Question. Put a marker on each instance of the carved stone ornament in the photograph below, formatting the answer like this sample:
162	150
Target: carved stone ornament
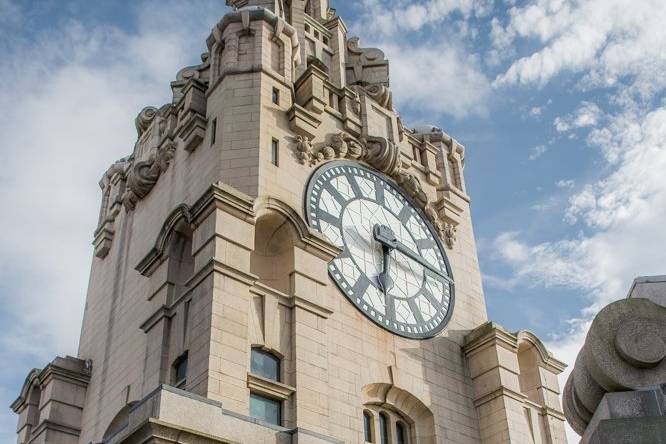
143	175
450	235
381	154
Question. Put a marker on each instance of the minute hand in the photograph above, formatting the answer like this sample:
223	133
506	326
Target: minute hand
396	244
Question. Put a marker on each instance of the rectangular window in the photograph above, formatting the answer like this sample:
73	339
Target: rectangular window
265	364
265	409
417	154
276	96
213	131
180	371
275	152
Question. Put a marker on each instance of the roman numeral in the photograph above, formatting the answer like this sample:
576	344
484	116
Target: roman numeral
327	217
405	214
336	194
431	298
361	285
416	310
355	188
379	194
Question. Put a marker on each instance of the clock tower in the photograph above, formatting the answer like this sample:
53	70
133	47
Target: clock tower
282	259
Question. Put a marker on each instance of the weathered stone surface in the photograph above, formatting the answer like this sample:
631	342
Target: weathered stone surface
625	351
636	417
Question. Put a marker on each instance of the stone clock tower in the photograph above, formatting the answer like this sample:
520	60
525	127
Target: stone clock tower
282	260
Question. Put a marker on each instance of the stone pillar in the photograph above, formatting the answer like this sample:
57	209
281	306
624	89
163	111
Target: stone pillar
493	363
311	309
51	403
515	387
223	240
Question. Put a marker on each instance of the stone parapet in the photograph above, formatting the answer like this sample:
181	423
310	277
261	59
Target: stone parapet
172	415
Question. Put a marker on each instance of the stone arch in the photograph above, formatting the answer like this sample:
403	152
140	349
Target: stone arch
120	421
409	407
278	229
180	218
27	404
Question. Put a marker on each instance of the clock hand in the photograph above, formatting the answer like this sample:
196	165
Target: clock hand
384	278
384	235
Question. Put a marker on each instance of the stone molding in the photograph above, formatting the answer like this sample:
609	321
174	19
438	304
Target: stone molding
220	196
268	387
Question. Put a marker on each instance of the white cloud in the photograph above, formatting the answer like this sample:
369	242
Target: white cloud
565	183
606	39
536	111
385	17
587	115
454	83
538	151
60	138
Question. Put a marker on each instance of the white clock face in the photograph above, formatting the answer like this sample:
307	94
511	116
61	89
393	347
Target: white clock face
392	266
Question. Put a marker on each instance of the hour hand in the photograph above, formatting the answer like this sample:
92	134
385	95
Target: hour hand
384	278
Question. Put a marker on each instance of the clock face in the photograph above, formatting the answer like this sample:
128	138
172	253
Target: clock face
392	266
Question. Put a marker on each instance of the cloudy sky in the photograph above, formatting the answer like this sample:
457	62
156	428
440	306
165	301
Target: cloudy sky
560	104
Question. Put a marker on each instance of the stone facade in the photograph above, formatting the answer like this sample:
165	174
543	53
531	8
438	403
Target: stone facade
203	254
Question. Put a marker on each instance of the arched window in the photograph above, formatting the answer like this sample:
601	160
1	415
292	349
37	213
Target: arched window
383	428
367	426
265	364
400	433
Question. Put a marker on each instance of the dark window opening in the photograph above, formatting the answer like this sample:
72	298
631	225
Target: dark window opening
400	433
275	146
383	428
265	409
213	131
265	364
367	426
180	371
276	96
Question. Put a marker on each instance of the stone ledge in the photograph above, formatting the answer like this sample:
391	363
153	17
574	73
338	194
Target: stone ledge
270	388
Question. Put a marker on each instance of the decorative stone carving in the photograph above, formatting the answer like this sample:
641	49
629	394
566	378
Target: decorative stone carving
112	185
381	154
145	119
625	350
450	235
366	66
143	175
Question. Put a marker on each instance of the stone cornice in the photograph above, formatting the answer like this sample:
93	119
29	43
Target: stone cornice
498	393
487	335
268	387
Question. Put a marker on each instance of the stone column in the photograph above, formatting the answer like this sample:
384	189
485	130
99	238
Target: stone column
311	309
491	352
222	242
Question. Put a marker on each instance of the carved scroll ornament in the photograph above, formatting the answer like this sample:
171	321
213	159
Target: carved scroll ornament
384	156
143	175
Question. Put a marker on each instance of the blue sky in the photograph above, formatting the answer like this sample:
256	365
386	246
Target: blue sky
560	105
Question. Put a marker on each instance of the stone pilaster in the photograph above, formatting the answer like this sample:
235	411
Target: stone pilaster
515	387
